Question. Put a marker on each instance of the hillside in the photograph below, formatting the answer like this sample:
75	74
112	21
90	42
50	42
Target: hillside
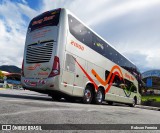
11	69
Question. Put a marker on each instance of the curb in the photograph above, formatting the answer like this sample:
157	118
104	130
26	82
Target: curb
148	107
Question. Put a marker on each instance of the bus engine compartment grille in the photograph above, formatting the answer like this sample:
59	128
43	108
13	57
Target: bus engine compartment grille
39	52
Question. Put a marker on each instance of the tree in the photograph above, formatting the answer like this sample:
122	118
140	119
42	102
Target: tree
1	75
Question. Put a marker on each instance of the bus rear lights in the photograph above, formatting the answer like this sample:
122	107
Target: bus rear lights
56	67
55	72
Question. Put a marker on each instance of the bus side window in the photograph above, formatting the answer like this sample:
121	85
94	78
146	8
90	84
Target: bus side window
116	81
98	45
70	63
106	74
134	89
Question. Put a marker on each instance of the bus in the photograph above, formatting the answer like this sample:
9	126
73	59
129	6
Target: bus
64	58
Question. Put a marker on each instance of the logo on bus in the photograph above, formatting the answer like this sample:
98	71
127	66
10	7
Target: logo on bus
33	67
115	71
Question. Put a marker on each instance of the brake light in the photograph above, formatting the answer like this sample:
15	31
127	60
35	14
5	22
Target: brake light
22	71
56	67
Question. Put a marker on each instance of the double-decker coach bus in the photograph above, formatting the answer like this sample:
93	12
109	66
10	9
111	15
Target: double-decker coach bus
65	59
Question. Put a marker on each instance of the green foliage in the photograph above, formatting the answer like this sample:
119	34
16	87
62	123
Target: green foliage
7	86
151	98
1	75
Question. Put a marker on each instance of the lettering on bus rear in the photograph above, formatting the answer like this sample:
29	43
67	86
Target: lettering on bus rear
50	18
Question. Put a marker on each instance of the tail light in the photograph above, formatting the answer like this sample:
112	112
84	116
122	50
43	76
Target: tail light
56	67
22	71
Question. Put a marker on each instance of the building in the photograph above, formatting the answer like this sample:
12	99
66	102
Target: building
152	80
12	79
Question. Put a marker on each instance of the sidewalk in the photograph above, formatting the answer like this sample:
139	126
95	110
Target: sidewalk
148	107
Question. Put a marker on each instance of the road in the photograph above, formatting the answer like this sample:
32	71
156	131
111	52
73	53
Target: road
27	107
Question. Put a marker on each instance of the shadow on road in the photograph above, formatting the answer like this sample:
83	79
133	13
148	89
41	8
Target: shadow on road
26	97
47	98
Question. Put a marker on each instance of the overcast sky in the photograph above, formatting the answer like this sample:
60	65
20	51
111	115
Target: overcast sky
131	26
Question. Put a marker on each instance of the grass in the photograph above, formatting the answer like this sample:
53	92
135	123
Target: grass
146	98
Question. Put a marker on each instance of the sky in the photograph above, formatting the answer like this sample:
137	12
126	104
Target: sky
130	26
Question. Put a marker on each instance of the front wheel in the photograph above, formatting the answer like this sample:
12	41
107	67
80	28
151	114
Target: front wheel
134	102
88	95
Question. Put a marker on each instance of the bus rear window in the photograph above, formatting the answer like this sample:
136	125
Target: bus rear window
49	18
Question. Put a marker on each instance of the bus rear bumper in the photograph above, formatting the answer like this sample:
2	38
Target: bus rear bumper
40	84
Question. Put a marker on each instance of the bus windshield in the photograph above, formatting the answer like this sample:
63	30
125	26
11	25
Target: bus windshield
49	18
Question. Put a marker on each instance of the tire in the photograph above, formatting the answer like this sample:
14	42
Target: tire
88	95
70	99
99	97
110	102
56	97
134	102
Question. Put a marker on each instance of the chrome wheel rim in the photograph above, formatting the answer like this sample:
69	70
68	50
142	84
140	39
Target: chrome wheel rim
134	102
87	95
99	96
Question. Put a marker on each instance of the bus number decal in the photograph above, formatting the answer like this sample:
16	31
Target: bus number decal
77	45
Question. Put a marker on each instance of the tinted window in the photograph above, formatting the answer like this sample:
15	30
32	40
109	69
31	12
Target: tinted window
98	45
79	31
84	35
50	18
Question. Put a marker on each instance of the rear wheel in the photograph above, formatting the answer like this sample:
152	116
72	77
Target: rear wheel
56	97
99	96
88	95
70	99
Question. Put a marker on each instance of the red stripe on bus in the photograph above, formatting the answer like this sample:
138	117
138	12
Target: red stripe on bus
111	81
95	85
100	80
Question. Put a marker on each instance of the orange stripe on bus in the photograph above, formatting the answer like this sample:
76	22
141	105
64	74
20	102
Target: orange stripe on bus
118	73
95	85
110	74
111	81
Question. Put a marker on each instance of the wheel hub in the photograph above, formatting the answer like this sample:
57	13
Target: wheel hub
99	96
87	95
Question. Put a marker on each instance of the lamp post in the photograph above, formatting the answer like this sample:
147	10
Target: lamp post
5	82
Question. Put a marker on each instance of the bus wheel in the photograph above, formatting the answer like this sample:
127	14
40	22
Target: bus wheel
88	95
56	97
134	102
99	97
70	99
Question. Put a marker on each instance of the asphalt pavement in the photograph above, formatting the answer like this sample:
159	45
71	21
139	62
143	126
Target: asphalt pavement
28	107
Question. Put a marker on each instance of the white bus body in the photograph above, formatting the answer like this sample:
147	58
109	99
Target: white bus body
63	65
